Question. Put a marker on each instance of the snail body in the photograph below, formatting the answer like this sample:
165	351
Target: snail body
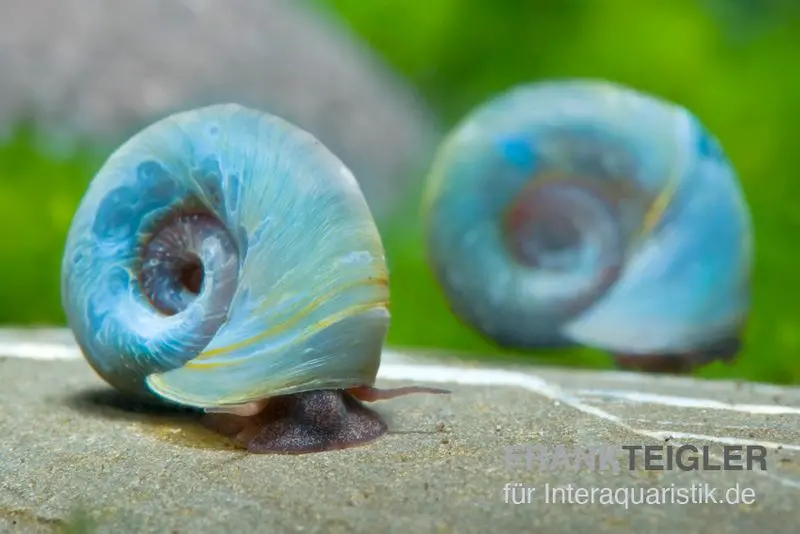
584	212
223	257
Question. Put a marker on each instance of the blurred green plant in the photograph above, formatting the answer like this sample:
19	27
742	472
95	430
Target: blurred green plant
38	197
460	52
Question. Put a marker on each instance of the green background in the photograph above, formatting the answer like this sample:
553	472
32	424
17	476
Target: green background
733	63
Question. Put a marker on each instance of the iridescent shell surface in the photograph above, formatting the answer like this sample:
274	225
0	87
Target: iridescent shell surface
584	212
294	289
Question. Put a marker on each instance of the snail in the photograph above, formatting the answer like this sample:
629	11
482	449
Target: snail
582	212
223	259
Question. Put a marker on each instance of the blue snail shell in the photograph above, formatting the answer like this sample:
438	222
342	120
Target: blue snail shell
290	289
585	212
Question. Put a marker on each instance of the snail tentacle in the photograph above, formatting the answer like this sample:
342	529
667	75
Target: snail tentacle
372	394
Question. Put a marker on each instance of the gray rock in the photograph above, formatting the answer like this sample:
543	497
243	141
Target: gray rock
73	451
93	71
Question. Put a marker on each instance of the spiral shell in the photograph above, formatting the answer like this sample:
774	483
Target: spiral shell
223	255
585	212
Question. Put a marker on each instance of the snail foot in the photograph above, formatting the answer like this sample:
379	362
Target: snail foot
313	421
679	363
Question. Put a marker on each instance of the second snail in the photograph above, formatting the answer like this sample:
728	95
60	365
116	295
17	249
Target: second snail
224	259
583	212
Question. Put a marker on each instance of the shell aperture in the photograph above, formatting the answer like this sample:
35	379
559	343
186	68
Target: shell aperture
223	255
585	212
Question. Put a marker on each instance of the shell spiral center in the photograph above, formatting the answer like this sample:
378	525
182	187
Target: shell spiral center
568	232
186	254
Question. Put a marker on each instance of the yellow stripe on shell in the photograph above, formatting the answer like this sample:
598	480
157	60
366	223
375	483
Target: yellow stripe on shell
314	304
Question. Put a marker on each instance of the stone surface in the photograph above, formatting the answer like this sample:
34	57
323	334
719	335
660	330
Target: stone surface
69	445
97	71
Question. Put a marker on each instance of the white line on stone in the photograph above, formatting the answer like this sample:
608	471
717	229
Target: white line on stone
687	402
39	351
395	368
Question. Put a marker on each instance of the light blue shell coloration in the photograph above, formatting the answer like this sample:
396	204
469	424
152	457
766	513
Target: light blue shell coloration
584	212
294	288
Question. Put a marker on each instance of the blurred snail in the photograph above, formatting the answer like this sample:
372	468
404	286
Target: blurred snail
582	212
224	259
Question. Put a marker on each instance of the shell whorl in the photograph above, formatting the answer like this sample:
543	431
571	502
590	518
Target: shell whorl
584	212
223	255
